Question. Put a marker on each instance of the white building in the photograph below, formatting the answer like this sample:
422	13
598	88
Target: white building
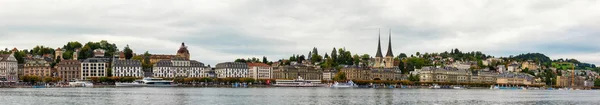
127	68
231	70
8	68
259	71
180	67
94	67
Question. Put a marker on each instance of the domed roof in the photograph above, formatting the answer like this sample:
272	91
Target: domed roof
183	49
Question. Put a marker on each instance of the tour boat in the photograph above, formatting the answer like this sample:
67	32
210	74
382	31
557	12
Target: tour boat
148	82
349	84
81	84
299	83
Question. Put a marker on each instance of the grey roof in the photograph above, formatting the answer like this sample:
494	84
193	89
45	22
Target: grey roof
127	63
195	63
164	63
516	75
4	57
94	60
168	63
232	65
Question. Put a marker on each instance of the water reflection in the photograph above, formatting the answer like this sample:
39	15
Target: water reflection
279	96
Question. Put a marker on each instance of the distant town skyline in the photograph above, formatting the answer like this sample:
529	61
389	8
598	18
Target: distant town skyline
220	31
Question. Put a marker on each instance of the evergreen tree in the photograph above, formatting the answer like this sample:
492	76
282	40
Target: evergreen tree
264	60
128	52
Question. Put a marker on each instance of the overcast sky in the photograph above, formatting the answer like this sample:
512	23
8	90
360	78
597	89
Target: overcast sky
223	30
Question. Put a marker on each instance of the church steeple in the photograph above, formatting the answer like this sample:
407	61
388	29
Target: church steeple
378	54
389	51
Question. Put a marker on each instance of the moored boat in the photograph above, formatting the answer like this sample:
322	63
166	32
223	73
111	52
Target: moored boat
81	84
349	84
148	82
300	82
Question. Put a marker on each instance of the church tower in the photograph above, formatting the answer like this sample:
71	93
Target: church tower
389	57
378	55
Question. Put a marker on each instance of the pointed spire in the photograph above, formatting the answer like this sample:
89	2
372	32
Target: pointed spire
389	52
378	54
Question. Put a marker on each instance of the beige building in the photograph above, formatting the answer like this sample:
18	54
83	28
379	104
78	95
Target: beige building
515	79
455	75
69	69
292	72
37	67
365	73
530	65
259	71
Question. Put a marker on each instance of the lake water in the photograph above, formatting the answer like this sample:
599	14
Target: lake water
286	96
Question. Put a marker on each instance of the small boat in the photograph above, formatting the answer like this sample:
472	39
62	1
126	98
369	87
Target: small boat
300	82
148	82
435	86
349	84
81	84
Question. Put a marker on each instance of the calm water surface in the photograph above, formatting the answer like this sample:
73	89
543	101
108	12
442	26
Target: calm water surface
285	96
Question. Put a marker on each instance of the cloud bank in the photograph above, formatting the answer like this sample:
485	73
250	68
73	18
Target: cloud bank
223	30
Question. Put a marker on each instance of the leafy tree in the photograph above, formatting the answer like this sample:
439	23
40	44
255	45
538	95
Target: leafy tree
128	52
87	51
597	83
365	59
402	56
241	60
340	76
414	78
301	58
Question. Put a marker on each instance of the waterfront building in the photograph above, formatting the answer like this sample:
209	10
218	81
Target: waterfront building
455	75
127	68
8	68
445	75
231	70
515	79
357	73
69	69
37	67
180	67
293	71
94	67
259	71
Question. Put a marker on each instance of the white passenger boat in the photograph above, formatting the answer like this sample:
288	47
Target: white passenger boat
349	84
148	82
81	84
299	83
